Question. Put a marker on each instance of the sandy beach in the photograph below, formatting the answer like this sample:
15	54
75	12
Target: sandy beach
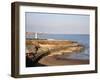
52	60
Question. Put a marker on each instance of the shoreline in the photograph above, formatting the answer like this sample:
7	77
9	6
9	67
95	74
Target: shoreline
59	47
52	61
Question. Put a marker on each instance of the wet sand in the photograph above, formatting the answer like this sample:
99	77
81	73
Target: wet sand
53	61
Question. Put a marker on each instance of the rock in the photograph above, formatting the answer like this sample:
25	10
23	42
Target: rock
31	49
42	50
35	52
37	49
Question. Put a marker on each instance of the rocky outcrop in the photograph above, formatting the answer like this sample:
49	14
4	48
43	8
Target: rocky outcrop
37	49
34	53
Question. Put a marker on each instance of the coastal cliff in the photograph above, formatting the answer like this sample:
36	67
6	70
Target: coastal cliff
57	45
39	49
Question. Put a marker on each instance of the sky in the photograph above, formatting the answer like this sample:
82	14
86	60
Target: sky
57	23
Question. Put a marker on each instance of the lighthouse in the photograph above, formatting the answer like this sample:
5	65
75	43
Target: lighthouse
36	35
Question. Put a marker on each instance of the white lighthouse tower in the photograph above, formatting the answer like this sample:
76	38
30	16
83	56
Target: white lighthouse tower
36	35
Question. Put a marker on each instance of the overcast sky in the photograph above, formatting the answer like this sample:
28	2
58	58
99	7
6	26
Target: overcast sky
57	23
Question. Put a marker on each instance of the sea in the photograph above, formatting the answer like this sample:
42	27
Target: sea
80	38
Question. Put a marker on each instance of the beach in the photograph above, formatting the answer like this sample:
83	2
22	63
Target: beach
52	60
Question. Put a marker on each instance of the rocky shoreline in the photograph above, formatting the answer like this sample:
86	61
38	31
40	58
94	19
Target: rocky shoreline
37	50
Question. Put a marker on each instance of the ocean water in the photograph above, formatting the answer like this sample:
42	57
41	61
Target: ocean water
80	38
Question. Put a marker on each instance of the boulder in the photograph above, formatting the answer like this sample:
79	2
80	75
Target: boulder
42	50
